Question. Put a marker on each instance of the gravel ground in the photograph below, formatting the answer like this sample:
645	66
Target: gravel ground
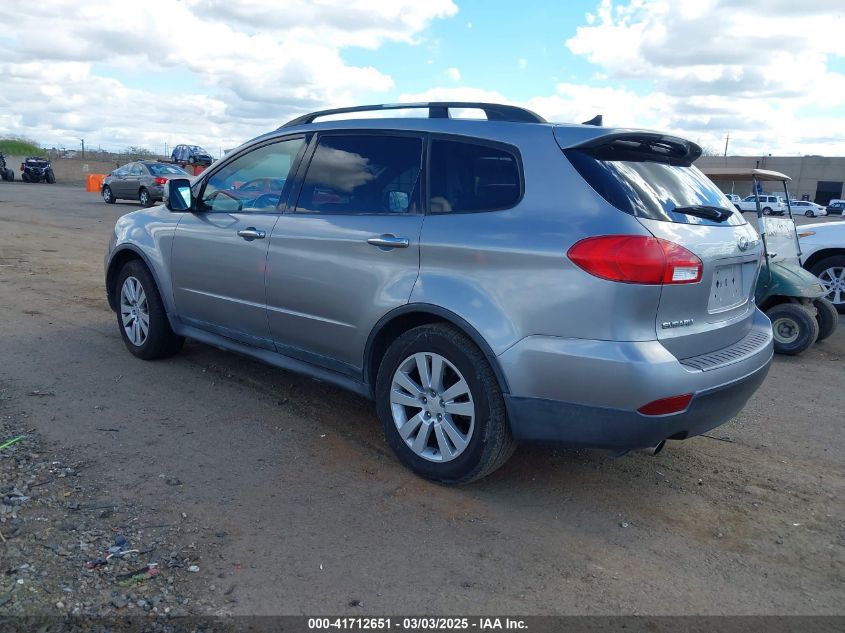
70	549
284	495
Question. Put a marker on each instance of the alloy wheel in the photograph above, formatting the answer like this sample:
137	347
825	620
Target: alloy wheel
833	281
134	311
432	407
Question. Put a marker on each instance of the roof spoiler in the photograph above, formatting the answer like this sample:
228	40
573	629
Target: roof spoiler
596	120
642	146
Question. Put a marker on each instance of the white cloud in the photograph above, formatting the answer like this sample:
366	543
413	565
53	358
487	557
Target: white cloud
522	63
257	62
454	74
758	69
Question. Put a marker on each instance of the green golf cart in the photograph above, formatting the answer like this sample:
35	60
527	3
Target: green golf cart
791	297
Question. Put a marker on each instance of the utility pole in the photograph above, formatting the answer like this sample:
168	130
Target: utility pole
727	140
83	147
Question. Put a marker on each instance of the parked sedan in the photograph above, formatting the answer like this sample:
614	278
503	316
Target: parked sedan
823	254
807	208
143	181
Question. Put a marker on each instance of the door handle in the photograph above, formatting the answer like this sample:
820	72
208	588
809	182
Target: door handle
387	241
251	233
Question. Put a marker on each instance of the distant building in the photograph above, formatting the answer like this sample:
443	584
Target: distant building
819	178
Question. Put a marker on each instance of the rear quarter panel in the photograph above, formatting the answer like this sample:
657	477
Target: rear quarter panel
506	272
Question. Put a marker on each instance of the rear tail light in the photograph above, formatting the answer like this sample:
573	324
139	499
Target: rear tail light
21	166
159	180
636	259
665	406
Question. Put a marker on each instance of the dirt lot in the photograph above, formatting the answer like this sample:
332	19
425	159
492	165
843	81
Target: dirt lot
281	491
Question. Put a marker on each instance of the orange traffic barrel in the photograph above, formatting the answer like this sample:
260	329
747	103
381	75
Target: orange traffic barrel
94	182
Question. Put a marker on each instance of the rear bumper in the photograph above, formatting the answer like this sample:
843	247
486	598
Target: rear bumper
535	419
590	391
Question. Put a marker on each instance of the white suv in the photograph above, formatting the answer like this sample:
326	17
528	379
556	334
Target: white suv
772	205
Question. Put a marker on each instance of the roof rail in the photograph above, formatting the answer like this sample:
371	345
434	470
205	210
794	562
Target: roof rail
436	110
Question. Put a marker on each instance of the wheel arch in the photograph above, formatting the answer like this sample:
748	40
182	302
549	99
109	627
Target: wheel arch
400	320
119	258
819	255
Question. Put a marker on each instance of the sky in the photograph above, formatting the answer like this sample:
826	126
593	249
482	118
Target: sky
769	73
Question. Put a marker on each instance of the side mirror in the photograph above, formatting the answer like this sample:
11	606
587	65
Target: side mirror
178	196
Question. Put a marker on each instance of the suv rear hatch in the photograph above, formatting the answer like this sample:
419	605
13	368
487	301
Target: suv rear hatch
651	177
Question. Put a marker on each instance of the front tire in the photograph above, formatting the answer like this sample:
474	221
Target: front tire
141	317
831	274
145	198
441	407
809	214
50	177
827	318
794	328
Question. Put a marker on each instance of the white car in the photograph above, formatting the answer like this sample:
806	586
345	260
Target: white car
823	254
809	209
771	205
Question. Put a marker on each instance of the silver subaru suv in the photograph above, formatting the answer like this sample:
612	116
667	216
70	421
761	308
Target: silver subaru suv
484	281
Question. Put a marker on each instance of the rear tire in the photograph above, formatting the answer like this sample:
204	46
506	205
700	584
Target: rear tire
831	274
137	299
50	177
767	210
145	198
794	327
827	318
475	410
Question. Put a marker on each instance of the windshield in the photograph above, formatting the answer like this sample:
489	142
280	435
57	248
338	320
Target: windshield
781	240
198	150
655	190
159	169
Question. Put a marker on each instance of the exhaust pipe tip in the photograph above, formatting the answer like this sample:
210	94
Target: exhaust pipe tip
653	450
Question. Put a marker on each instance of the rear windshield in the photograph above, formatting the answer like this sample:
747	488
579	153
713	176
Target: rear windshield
159	169
654	190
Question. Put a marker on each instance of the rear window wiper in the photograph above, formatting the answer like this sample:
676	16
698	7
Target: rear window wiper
708	212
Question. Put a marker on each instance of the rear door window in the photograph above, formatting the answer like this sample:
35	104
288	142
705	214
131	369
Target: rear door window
363	173
471	177
657	190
